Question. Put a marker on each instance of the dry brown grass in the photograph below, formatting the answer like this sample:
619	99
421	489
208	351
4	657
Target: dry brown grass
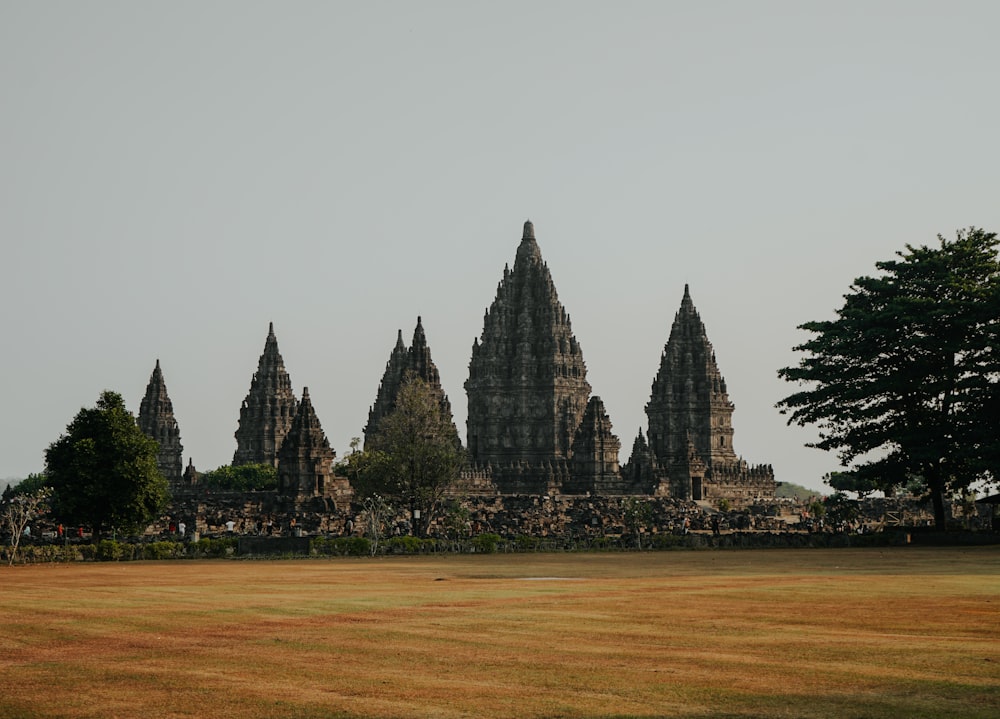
900	632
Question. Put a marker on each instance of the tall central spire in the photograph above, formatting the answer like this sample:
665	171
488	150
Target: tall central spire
527	385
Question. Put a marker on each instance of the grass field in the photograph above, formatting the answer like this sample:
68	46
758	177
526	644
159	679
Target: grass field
901	632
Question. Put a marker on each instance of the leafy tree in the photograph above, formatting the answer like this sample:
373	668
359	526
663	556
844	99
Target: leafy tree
851	482
841	509
244	478
365	469
103	470
29	485
420	453
637	514
19	509
904	382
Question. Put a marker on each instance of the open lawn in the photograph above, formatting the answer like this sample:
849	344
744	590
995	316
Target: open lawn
900	632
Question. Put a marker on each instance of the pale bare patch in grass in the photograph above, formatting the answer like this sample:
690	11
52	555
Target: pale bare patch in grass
872	633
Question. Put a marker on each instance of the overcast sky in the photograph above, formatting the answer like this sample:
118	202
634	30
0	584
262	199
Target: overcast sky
175	176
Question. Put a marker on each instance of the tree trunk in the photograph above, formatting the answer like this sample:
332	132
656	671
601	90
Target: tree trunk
936	485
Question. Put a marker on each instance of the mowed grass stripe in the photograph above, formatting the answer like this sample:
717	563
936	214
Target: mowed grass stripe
873	633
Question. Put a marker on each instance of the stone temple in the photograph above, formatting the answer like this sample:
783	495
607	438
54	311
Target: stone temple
404	361
534	427
690	421
268	410
156	420
527	386
305	459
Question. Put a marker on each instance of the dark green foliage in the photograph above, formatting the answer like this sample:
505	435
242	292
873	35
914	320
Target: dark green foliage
852	482
243	478
841	508
29	485
486	543
108	550
163	550
214	546
103	470
416	454
341	546
903	384
405	545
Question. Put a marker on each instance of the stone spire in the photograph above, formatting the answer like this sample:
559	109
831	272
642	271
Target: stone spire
641	474
527	386
305	460
388	388
267	411
156	420
688	402
594	466
415	360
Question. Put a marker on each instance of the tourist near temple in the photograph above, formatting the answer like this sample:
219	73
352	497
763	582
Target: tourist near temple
534	426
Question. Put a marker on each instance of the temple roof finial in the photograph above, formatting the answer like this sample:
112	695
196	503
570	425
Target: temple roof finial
529	231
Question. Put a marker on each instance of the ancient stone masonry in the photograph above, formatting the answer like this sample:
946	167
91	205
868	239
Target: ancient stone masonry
305	460
268	410
403	362
690	418
594	464
642	473
156	420
527	386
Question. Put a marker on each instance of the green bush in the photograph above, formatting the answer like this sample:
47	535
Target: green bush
162	550
667	541
108	550
341	546
403	545
526	543
486	543
213	547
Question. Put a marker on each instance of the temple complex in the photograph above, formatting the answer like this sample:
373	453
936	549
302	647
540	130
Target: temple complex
305	460
268	410
403	362
156	420
690	419
527	386
533	427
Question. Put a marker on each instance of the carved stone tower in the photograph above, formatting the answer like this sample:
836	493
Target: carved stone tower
403	362
690	418
305	460
268	410
527	385
156	420
594	465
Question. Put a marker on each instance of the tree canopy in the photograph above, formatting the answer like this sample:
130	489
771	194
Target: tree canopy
241	478
415	454
903	384
103	470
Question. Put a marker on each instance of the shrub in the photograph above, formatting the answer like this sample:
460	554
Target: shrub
486	543
341	546
213	547
403	545
162	550
108	550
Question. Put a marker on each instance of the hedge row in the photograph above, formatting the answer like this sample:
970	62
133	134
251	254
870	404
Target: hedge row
110	550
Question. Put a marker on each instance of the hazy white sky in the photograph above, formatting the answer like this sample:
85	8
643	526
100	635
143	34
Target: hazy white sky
174	176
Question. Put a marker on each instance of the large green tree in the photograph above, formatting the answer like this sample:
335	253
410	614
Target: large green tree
416	454
903	383
103	470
